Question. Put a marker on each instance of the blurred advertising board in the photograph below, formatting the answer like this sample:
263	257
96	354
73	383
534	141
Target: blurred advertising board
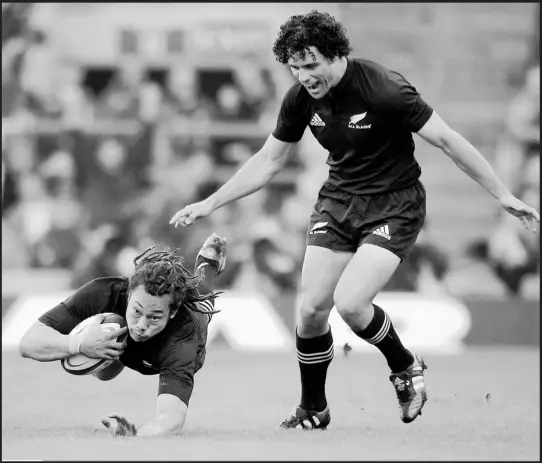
248	322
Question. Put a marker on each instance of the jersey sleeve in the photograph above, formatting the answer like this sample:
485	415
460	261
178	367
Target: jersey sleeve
292	118
394	98
178	368
91	299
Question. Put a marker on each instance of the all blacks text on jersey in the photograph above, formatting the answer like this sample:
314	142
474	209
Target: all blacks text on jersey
355	122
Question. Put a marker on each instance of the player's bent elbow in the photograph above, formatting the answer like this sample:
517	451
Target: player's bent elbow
176	422
31	344
23	350
171	422
26	347
30	351
173	410
437	133
445	139
275	154
268	168
272	172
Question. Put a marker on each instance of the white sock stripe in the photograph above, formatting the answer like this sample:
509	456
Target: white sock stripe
382	332
306	362
308	356
385	330
206	305
376	336
322	359
327	358
317	357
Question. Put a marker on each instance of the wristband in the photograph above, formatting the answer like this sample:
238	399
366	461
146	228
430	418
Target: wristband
74	346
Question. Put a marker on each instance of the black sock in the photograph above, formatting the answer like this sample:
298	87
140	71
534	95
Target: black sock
381	334
314	356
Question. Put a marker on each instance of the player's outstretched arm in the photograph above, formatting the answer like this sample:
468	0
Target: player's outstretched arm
257	172
45	344
175	386
473	163
170	417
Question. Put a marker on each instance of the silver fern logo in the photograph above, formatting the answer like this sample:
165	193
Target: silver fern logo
355	119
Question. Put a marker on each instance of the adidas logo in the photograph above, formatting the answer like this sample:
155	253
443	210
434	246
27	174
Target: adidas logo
318	227
383	231
317	121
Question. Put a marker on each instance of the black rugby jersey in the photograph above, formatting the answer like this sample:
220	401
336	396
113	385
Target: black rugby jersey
365	122
176	353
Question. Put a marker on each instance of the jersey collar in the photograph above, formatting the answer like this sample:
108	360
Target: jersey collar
347	77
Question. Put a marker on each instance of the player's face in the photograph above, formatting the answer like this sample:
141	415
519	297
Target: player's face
315	72
146	315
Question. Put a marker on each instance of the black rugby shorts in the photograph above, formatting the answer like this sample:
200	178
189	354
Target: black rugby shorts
342	221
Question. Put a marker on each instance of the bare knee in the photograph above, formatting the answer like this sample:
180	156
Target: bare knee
313	319
355	311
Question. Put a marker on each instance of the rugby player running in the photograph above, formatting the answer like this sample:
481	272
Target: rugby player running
167	310
369	211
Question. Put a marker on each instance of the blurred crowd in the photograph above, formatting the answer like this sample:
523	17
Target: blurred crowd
96	162
512	252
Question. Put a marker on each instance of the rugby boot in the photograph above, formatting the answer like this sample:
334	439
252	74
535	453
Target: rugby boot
410	388
307	419
213	252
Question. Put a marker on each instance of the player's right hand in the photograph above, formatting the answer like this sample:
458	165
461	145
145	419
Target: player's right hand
118	425
100	344
529	216
191	213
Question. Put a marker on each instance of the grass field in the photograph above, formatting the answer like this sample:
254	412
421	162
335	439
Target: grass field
240	398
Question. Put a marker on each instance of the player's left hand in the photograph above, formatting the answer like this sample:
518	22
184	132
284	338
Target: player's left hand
529	216
118	425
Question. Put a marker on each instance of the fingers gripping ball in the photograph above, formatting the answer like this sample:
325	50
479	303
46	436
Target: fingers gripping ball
80	364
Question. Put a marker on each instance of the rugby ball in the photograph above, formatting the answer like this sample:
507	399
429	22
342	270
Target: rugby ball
80	364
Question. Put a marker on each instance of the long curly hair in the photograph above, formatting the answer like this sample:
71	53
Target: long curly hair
320	30
163	272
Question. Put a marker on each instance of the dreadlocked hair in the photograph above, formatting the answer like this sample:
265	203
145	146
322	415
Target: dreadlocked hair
320	30
162	272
